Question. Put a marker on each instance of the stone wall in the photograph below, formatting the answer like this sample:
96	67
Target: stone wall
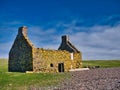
42	60
24	56
20	55
67	45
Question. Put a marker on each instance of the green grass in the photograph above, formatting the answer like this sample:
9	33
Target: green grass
102	63
19	81
24	81
3	65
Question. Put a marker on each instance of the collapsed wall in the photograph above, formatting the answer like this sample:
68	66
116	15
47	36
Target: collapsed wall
48	60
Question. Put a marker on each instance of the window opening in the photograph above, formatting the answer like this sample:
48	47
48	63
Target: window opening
51	65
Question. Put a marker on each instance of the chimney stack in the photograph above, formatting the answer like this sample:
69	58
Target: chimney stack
23	30
65	38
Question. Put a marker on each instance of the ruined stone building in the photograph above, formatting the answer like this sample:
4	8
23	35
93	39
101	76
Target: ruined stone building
24	56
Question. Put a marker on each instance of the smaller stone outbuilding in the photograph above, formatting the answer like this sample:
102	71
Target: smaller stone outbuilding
24	56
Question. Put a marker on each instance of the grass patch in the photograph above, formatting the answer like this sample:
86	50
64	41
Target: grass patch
24	81
3	65
102	63
18	81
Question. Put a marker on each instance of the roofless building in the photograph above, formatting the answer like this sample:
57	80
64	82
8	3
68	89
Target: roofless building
24	56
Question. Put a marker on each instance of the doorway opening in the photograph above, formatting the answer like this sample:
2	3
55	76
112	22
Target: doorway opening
61	67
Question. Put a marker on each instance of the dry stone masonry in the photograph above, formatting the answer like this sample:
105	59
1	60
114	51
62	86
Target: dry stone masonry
24	56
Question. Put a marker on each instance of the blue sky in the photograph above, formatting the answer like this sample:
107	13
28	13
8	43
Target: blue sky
92	25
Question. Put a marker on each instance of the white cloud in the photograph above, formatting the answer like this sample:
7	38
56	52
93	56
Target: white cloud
95	42
4	49
99	45
7	36
102	42
42	38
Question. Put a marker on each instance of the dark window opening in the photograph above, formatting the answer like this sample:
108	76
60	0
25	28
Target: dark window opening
51	65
